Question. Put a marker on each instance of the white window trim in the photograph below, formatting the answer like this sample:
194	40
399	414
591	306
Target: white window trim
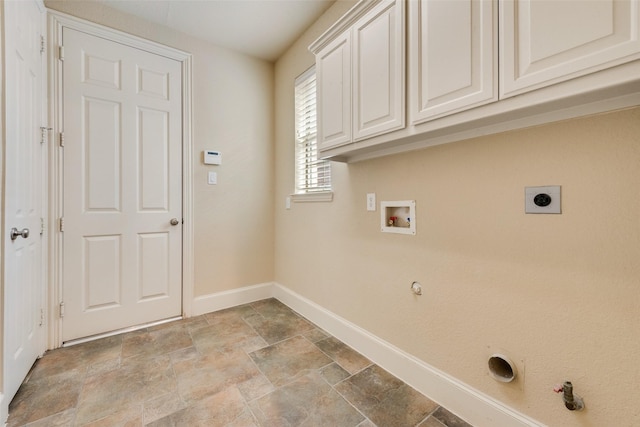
320	196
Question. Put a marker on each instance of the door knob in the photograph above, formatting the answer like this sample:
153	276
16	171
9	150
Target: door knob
15	233
174	221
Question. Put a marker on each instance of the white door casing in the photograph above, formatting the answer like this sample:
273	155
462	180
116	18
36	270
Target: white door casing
24	290
122	119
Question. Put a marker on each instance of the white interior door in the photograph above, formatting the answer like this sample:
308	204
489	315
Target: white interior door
122	203
24	160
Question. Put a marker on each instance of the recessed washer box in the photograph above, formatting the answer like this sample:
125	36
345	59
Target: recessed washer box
542	200
398	217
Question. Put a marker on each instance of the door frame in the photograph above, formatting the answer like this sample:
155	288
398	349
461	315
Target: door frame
56	22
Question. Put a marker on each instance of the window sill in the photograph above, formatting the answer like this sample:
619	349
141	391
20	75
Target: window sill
324	196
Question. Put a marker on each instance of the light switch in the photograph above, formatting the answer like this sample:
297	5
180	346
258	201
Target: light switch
212	178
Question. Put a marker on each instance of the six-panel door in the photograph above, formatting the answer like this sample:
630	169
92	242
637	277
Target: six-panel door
122	186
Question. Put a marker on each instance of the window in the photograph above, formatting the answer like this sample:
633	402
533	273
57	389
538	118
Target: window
313	176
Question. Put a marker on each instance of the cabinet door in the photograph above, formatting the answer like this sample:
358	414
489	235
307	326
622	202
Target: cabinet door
545	42
333	68
452	55
378	70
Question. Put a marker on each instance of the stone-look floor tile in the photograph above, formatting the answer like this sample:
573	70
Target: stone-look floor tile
138	379
270	307
161	407
205	377
103	366
333	373
230	315
255	387
449	419
384	399
129	416
343	355
283	362
184	354
231	333
275	322
61	419
315	335
246	419
308	401
77	356
211	373
219	409
43	396
161	341
431	422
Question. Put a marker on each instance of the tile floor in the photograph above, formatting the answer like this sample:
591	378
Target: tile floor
258	364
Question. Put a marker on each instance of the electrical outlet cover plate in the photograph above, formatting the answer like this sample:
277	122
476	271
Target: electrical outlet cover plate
553	207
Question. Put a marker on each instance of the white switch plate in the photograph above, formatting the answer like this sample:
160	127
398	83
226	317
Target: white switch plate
212	179
554	206
287	203
371	202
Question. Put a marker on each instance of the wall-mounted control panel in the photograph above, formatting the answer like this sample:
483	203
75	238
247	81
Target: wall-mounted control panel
212	157
542	200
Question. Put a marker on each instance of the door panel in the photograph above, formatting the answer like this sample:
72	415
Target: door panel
122	186
24	162
459	74
547	42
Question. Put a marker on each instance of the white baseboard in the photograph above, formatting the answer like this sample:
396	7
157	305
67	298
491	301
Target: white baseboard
469	404
4	410
475	407
226	299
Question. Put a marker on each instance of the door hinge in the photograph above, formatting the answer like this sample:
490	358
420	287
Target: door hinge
61	309
41	45
41	226
61	139
43	134
61	53
61	224
41	317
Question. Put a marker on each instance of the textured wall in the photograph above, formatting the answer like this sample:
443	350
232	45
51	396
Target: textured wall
232	113
558	294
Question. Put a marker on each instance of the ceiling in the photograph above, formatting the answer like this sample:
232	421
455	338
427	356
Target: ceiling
260	28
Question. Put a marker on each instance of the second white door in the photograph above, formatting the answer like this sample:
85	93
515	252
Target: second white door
122	203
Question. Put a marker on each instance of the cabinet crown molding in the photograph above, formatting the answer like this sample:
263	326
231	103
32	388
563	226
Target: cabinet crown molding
343	24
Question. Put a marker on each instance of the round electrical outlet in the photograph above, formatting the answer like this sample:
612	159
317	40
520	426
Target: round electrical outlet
542	200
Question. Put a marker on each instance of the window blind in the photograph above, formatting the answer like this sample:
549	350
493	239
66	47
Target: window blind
312	175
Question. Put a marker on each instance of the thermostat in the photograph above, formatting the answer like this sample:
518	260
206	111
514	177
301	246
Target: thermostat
212	158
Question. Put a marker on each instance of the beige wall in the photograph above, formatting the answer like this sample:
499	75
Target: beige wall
232	113
559	294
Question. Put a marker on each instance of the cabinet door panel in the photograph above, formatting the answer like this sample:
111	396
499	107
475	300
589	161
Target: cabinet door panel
452	56
378	71
334	93
545	42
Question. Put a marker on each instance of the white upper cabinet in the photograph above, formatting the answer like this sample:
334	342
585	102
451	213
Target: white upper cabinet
360	74
378	70
474	67
452	56
544	42
333	76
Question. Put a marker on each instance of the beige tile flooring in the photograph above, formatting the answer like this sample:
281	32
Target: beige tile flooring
258	364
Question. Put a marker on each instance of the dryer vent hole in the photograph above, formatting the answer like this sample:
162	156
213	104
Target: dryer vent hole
501	368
